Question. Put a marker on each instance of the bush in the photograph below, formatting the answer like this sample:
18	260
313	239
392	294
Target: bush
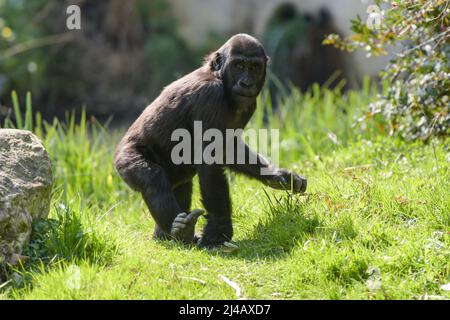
21	67
417	102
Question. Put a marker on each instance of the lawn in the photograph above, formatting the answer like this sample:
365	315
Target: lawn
374	223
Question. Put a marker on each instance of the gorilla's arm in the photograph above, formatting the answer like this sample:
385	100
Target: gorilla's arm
265	171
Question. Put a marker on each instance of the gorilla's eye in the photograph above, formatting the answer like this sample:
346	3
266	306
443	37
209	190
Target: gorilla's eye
255	67
239	65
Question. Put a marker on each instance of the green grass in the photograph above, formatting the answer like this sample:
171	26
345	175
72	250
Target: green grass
373	225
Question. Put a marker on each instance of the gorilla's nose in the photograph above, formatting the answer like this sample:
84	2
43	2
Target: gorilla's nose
246	84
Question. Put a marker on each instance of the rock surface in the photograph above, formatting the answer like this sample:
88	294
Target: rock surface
25	189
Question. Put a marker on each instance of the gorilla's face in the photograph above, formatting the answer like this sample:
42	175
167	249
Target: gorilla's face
244	69
246	74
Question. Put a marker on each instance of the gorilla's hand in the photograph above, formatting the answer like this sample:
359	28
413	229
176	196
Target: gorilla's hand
287	180
183	227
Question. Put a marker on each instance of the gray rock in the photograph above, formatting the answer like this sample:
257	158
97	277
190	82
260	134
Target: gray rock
25	189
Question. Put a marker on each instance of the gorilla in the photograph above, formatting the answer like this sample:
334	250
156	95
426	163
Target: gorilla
222	95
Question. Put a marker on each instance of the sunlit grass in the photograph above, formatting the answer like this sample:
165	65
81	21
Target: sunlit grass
373	225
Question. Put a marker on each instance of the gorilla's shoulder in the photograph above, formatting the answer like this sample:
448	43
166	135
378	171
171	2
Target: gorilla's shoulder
196	82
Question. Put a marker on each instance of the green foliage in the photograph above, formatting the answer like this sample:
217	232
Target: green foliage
417	101
177	61
17	34
68	237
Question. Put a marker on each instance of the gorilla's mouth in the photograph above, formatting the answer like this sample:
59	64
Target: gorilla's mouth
245	93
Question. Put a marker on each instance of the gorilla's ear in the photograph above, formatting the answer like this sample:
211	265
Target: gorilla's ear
268	60
214	61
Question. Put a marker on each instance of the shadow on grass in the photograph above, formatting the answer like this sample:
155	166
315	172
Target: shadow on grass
286	224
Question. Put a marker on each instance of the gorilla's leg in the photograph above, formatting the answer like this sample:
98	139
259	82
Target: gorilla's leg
154	185
183	194
216	200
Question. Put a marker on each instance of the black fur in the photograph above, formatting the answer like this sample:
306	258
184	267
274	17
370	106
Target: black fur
222	94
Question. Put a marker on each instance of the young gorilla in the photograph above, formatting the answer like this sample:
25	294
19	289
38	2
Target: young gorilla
222	95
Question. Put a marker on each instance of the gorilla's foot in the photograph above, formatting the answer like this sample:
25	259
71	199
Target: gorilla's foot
183	227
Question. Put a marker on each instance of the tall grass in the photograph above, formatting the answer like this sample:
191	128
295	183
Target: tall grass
83	177
373	225
81	150
318	121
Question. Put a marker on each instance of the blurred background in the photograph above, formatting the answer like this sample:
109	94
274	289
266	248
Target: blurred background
127	51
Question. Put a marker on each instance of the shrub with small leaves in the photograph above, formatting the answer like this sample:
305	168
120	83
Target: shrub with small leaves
416	104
